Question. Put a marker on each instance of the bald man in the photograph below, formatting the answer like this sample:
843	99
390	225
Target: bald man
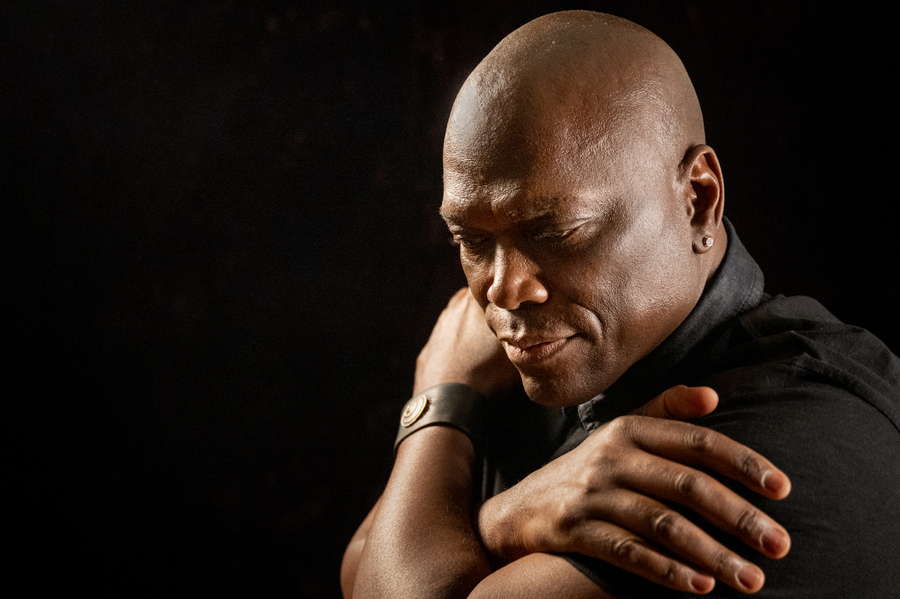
589	215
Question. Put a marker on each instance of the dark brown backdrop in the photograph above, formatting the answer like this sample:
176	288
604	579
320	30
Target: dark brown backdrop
223	253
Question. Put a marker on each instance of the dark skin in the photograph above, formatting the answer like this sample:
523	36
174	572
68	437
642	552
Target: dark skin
609	510
579	188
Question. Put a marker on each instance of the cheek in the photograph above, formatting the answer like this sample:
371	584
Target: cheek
654	293
625	288
600	280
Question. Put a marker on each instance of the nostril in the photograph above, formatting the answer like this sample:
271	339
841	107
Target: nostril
514	280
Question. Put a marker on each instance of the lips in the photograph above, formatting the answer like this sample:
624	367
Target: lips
529	350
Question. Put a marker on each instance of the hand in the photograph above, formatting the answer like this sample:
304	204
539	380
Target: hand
605	499
462	349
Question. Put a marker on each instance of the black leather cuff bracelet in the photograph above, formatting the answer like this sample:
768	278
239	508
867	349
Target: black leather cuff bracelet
447	404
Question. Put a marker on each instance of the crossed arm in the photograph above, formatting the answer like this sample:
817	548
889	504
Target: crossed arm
608	498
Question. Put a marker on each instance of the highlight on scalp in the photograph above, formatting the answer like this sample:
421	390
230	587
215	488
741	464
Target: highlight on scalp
589	65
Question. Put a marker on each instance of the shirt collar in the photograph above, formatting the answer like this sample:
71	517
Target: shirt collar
736	286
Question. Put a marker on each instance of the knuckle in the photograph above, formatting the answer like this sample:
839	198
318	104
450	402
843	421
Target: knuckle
672	575
623	431
721	563
566	520
569	514
747	521
592	479
689	484
627	550
748	465
667	525
619	427
700	440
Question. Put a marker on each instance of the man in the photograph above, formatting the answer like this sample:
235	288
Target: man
589	215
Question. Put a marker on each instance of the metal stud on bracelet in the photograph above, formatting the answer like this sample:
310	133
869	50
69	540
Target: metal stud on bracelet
413	409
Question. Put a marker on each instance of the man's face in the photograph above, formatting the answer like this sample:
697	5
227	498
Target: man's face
577	247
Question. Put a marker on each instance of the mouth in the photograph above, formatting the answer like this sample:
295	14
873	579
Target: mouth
532	351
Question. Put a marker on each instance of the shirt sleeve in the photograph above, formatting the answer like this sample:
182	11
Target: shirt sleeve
842	455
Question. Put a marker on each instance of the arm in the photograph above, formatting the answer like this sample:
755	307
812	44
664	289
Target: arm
495	519
609	499
422	543
422	540
350	562
600	515
539	575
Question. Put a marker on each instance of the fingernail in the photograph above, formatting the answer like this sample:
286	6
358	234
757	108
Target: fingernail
702	583
772	483
774	541
749	577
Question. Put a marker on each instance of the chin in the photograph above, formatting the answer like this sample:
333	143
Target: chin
556	392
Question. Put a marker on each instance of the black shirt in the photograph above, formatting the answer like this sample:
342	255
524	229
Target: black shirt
818	398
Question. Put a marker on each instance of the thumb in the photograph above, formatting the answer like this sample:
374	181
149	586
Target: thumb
680	403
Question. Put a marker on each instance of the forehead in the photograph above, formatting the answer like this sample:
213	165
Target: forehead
500	204
542	168
540	156
558	179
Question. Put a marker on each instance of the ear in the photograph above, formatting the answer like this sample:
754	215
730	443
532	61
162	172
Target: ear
705	195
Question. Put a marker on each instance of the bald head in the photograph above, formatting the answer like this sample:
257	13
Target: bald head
584	79
585	202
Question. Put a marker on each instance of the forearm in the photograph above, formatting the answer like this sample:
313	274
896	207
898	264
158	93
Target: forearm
421	542
353	553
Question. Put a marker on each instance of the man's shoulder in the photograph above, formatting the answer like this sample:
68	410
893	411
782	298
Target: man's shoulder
809	392
794	347
821	400
810	325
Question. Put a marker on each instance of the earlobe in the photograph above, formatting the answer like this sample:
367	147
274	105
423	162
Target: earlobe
705	195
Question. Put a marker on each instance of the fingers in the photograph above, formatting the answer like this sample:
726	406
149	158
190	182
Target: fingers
651	476
680	403
462	349
621	548
685	545
686	443
643	536
718	504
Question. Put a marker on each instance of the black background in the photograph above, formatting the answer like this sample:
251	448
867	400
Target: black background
222	252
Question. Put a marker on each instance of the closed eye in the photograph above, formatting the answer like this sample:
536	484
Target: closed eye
554	236
468	241
551	235
564	238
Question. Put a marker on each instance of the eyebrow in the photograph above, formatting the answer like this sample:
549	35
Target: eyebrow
546	214
541	209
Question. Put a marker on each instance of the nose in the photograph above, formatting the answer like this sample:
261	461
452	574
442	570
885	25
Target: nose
514	281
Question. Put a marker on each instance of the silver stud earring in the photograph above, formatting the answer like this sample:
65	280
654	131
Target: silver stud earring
707	242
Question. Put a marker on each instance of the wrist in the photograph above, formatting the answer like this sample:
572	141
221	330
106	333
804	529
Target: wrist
452	405
499	531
